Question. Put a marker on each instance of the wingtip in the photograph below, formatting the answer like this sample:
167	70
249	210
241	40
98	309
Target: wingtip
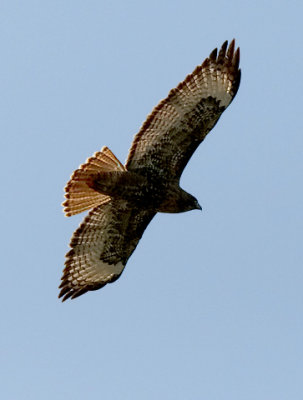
226	50
231	49
64	294
213	54
222	52
224	46
236	58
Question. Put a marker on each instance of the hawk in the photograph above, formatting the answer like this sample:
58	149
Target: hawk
123	199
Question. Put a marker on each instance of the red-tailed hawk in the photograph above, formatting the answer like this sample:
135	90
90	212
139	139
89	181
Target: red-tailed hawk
124	198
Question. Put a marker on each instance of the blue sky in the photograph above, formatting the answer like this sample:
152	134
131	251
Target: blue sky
210	305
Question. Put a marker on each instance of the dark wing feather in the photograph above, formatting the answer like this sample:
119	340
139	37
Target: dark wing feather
101	246
177	126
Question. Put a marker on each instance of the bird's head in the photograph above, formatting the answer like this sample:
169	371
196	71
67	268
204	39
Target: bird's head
179	201
188	202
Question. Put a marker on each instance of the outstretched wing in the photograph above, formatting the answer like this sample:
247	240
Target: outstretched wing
101	246
177	126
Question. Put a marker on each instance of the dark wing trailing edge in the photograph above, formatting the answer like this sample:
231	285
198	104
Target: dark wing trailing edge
101	246
179	123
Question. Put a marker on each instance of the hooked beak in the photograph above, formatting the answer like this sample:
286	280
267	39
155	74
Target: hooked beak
198	207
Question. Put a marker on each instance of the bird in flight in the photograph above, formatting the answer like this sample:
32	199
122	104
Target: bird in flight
123	199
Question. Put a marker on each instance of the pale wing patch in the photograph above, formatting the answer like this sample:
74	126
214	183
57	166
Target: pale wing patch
101	246
97	250
89	270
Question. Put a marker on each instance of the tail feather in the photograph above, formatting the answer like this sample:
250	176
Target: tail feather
79	193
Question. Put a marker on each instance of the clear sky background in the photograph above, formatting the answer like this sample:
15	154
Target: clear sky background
210	305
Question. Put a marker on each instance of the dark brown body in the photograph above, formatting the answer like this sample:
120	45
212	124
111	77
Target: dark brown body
145	191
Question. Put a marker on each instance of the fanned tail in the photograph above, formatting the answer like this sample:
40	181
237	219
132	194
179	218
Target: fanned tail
79	193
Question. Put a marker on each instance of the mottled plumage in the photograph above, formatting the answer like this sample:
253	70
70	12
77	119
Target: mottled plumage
124	199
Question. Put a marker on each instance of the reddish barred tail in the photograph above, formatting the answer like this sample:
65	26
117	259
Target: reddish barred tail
79	193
